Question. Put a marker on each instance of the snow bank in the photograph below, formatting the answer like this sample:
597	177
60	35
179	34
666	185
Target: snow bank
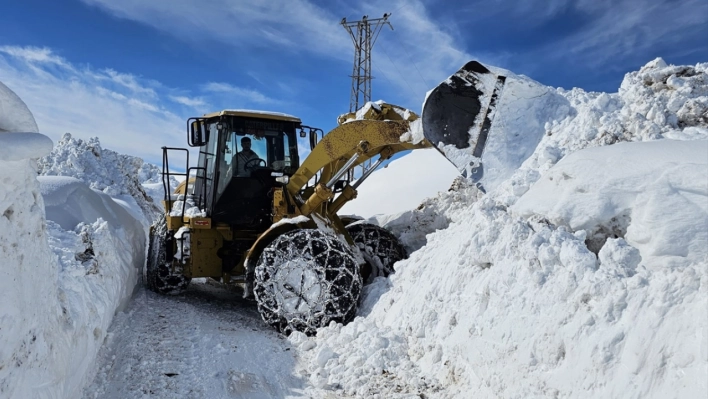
60	286
508	300
62	277
28	290
68	202
119	176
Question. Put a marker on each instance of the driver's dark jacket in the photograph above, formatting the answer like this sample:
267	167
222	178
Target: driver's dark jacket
241	158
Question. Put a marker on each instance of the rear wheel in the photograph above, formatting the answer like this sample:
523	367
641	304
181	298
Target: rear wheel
306	279
158	273
380	248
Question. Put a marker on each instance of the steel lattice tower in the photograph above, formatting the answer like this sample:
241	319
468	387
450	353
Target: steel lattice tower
364	34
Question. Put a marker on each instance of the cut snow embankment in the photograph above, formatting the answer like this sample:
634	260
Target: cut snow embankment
511	301
65	278
62	277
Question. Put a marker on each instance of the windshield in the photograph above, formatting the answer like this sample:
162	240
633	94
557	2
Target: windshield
245	152
249	145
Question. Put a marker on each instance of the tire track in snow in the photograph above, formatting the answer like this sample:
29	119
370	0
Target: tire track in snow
207	343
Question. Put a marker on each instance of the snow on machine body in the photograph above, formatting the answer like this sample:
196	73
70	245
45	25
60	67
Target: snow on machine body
253	213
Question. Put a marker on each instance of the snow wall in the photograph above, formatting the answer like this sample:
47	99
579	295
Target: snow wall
62	277
584	274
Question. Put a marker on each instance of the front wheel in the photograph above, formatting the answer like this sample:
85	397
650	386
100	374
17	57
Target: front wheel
158	270
306	279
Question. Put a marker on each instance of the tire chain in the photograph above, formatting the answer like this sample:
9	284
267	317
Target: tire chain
378	246
158	272
337	273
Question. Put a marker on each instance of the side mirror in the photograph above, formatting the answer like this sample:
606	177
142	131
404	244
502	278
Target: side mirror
198	132
314	131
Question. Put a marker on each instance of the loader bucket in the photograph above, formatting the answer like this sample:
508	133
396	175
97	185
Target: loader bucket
488	121
458	114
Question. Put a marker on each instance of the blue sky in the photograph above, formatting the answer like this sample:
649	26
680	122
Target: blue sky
132	71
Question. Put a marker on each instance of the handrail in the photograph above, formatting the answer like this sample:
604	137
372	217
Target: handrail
166	172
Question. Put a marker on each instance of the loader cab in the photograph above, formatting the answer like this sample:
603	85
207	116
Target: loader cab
243	155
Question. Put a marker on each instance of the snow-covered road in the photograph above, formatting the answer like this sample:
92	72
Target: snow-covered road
207	343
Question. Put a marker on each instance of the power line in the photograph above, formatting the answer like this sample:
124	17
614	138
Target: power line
413	92
412	59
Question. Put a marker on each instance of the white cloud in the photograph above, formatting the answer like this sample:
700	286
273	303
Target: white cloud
625	28
243	95
609	33
194	102
128	81
129	114
33	54
293	24
414	58
126	115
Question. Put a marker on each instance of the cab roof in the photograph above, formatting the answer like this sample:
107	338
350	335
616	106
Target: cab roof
248	113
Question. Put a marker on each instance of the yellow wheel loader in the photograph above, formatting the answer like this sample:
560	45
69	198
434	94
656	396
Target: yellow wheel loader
252	212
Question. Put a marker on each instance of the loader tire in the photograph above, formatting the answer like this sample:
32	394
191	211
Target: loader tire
379	247
158	270
306	279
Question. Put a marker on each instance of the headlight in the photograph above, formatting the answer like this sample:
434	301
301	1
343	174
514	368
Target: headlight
283	179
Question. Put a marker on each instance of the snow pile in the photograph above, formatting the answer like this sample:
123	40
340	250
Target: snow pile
119	176
662	216
370	109
62	279
186	207
580	278
646	108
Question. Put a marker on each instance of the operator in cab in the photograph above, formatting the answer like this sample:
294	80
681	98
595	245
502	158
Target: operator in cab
243	156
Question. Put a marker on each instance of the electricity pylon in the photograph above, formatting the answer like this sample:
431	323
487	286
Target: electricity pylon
364	34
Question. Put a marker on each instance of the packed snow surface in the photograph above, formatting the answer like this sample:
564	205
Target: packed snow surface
207	343
581	278
652	194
